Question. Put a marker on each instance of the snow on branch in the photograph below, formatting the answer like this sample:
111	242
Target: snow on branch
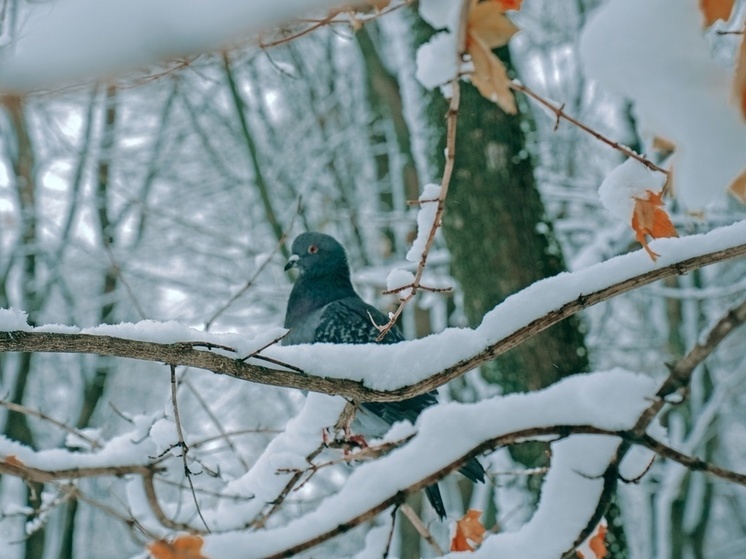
391	372
76	39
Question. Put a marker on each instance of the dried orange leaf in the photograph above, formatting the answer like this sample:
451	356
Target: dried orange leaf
713	10
183	547
650	219
597	542
490	76
595	545
739	80
738	187
663	144
469	532
488	24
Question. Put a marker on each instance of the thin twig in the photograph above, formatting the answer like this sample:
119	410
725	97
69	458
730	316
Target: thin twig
681	372
422	530
329	19
183	445
560	113
148	485
451	123
258	271
265	346
391	532
18	408
262	518
215	421
367	453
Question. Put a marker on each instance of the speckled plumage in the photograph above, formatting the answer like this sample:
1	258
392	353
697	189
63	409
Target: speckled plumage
324	307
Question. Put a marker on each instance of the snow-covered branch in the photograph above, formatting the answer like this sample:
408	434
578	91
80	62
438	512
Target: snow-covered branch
390	373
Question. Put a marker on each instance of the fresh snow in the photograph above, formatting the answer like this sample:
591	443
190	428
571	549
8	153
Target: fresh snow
425	220
612	400
679	92
262	484
399	278
436	60
628	181
76	39
388	367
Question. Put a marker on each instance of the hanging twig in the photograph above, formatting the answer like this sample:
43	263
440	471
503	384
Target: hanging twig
183	445
215	421
451	122
422	530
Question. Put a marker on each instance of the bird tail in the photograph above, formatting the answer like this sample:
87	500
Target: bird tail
473	470
433	495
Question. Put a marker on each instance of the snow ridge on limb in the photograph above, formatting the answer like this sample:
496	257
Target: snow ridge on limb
373	486
416	366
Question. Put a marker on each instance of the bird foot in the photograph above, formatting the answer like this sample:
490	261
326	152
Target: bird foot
344	439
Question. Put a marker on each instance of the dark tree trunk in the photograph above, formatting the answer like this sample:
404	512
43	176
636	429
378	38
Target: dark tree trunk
500	238
501	241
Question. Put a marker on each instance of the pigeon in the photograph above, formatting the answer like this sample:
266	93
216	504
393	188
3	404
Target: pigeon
324	307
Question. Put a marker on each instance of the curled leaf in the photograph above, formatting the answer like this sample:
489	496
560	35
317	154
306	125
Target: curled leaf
183	547
713	10
488	24
650	219
738	187
469	532
490	76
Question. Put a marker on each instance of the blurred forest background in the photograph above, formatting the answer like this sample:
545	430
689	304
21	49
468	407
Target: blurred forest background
171	195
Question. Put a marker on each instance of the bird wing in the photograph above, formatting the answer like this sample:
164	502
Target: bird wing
348	321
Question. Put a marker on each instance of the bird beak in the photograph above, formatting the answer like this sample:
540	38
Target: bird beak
292	261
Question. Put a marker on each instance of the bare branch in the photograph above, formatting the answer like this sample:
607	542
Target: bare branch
41	415
422	530
183	445
560	114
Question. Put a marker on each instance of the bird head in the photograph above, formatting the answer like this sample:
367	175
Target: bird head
318	255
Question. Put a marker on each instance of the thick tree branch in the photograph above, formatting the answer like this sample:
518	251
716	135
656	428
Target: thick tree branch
188	354
560	431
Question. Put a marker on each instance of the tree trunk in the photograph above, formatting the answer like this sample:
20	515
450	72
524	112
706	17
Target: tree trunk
16	426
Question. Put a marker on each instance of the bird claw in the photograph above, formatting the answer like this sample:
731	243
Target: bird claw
344	439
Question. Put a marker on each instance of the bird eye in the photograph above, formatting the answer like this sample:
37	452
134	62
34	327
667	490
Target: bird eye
313	249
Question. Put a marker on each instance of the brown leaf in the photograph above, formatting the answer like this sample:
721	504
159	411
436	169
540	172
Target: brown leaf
738	187
469	530
183	547
597	542
663	145
713	10
490	76
649	218
739	79
489	25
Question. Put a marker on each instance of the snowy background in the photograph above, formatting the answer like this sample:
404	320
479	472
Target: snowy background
155	157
